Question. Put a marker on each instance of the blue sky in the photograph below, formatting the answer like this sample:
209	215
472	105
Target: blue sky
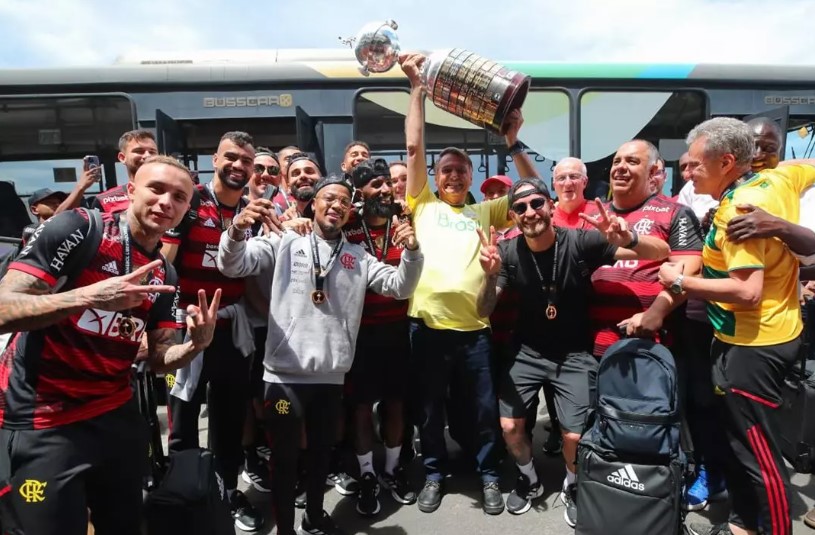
38	33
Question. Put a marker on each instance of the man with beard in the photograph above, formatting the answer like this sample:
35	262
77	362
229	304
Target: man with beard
302	175
355	153
224	368
70	424
380	370
266	175
549	267
318	293
134	149
450	342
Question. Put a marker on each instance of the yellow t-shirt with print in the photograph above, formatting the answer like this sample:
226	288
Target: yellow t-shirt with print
778	317
451	276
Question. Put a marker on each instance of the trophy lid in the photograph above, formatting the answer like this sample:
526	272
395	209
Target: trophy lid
377	46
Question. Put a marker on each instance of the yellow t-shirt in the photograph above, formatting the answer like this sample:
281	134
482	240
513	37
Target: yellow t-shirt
778	317
452	274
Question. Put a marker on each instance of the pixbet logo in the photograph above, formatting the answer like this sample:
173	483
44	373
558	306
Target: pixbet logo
106	323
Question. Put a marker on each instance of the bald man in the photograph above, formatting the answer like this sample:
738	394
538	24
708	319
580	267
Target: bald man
569	179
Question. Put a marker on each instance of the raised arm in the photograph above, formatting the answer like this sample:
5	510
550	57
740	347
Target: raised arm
414	125
490	259
756	223
165	355
74	200
239	257
523	163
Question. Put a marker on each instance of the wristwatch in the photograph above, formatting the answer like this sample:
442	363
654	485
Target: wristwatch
515	148
676	287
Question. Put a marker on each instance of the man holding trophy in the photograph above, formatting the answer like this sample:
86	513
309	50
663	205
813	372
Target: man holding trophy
450	340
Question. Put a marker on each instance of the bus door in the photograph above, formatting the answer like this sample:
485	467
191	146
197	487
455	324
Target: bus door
171	139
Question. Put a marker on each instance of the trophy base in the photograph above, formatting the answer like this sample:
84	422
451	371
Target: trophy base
512	100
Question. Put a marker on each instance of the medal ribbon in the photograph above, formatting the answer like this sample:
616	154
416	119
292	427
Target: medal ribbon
320	273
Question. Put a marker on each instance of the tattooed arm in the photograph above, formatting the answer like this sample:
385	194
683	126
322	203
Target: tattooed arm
26	303
165	355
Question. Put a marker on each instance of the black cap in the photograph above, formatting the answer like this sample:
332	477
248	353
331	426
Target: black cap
366	171
332	179
537	186
44	193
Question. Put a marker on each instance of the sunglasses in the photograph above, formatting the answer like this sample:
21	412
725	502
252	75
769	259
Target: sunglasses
271	169
536	204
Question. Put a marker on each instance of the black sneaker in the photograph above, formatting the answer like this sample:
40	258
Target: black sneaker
300	494
342	483
257	475
569	498
398	484
553	445
520	499
367	501
246	517
263	451
707	529
321	526
430	497
493	503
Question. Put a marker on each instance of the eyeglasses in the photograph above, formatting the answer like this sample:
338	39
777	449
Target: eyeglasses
536	204
345	202
570	176
271	169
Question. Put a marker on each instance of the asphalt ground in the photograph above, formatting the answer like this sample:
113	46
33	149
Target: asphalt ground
460	512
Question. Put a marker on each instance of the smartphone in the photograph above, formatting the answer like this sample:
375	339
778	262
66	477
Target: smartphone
90	161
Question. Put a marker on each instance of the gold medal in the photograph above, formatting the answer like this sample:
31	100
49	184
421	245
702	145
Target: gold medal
318	297
127	327
551	312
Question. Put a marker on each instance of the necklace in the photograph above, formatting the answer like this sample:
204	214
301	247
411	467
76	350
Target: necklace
318	296
370	241
551	288
211	191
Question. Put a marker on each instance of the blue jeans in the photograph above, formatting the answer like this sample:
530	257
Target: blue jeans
460	361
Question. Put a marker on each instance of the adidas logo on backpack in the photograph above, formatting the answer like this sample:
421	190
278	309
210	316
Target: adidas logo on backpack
626	477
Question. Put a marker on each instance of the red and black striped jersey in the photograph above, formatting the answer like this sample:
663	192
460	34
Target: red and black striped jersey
112	201
378	309
198	252
79	367
630	286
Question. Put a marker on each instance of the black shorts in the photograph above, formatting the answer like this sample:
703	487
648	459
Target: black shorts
58	473
381	364
572	380
256	370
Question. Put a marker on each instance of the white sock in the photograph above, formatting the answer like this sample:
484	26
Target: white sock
570	479
529	471
366	463
392	458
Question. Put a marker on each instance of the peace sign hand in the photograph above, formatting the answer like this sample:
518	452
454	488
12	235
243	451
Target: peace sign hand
489	257
201	319
124	292
613	227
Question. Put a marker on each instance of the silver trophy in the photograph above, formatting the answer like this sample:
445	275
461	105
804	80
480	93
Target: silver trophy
458	81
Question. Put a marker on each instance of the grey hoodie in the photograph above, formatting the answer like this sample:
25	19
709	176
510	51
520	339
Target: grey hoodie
310	343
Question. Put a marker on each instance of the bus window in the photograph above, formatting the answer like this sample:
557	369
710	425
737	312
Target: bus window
44	139
610	118
379	120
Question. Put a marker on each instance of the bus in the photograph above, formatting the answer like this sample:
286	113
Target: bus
318	100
